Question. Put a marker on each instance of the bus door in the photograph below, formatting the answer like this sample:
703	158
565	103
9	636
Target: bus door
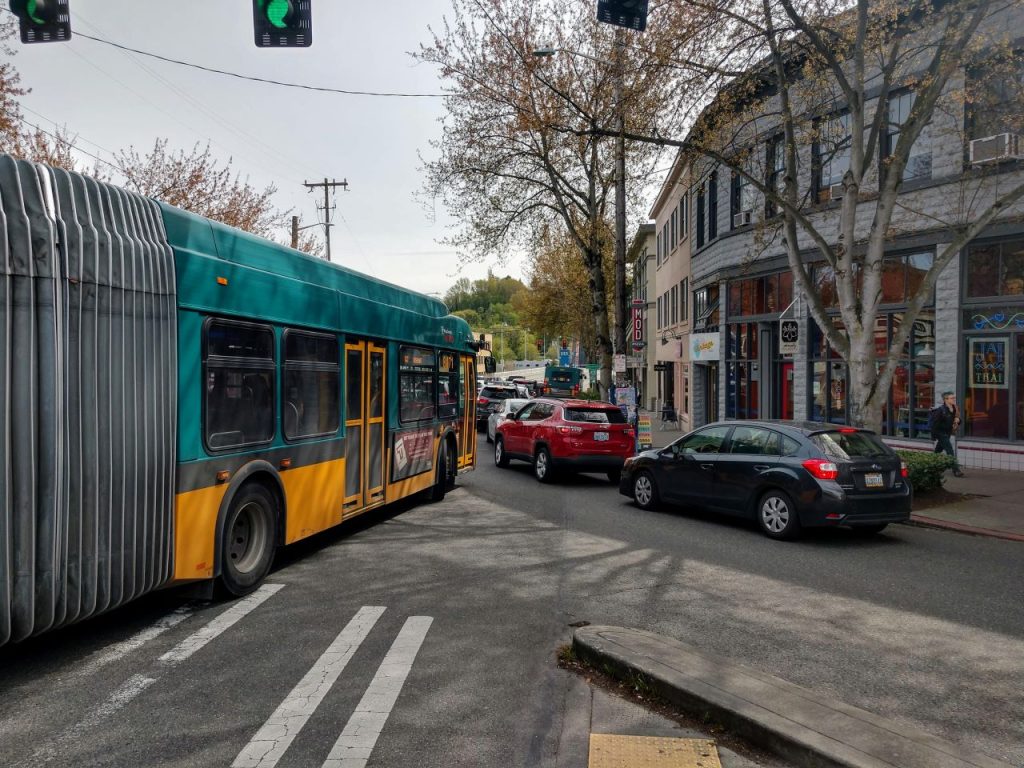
467	445
364	425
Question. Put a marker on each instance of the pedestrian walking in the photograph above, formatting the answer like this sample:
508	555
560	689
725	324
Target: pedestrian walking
943	422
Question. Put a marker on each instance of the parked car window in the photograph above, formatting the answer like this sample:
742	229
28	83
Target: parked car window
706	441
847	445
498	393
755	441
541	411
790	447
595	415
527	413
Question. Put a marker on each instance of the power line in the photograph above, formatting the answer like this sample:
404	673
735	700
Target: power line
283	84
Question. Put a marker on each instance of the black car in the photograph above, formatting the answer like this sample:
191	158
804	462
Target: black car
489	400
786	475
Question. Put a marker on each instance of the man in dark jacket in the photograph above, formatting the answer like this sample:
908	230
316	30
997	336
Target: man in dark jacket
944	420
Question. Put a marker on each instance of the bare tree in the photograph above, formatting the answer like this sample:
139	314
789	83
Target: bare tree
828	82
199	183
516	157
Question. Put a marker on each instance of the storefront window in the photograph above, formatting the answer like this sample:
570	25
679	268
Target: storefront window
912	393
742	371
995	269
987	393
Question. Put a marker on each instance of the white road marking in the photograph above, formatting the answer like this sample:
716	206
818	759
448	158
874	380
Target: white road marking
138	683
353	747
273	739
224	621
118	699
122	649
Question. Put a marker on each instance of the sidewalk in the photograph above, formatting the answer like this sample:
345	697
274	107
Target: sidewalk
998	512
805	727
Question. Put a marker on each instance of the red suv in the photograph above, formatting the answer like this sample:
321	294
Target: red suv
577	435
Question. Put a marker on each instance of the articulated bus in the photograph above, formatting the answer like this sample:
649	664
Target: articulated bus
179	398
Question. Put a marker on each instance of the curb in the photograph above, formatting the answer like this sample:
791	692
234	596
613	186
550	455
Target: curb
949	525
800	725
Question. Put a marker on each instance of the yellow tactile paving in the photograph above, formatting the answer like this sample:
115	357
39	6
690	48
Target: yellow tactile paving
611	751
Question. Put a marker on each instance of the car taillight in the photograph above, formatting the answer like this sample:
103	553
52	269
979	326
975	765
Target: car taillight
482	401
576	389
846	430
628	432
570	430
821	469
904	472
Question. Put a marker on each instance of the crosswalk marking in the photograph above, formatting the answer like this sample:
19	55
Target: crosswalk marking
224	621
353	747
123	648
273	739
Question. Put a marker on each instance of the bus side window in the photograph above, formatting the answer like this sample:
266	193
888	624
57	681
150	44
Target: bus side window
310	406
239	360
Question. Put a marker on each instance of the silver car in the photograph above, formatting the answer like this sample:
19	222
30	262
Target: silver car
508	407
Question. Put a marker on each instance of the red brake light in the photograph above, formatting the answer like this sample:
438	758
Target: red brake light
822	469
904	472
482	401
846	430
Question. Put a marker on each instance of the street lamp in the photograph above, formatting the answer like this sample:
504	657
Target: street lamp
503	327
619	299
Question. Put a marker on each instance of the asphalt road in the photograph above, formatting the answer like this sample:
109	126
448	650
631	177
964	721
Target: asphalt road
923	626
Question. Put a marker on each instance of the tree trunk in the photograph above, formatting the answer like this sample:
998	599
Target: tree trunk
593	260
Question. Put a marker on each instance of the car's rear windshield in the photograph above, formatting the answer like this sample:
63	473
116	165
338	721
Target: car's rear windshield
595	415
850	445
498	394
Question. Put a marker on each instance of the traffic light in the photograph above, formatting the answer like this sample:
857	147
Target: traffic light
43	21
282	23
631	14
540	345
565	344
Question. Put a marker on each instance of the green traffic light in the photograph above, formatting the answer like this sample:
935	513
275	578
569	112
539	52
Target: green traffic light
277	12
30	9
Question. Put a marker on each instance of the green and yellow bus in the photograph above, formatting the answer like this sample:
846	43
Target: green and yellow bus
180	398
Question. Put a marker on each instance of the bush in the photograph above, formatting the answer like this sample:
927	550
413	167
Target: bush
926	469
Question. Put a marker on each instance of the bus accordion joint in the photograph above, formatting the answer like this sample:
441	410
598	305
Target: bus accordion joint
223	475
222	281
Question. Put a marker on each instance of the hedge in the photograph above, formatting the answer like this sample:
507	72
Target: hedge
926	469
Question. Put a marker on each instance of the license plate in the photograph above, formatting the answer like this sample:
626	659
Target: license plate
873	480
600	436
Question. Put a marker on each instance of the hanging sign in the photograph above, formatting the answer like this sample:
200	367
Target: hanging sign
789	336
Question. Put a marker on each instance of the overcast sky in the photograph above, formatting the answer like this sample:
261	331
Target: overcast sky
111	99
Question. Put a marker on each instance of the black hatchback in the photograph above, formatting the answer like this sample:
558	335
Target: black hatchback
786	475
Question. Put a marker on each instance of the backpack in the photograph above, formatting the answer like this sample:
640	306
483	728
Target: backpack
935	416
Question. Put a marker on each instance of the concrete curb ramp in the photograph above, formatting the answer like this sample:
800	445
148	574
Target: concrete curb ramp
802	726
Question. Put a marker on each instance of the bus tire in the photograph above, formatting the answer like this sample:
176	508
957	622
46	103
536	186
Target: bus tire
440	486
248	542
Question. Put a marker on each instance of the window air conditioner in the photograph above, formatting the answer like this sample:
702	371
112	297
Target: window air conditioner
740	219
992	149
835	192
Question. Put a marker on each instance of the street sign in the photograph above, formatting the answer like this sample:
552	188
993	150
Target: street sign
618	363
789	336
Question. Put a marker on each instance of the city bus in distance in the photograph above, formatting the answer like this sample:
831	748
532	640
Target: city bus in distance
562	380
181	398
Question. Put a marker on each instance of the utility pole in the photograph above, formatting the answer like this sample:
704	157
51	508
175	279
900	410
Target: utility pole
328	187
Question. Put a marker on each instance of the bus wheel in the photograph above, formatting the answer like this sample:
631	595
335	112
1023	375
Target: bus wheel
247	545
440	486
